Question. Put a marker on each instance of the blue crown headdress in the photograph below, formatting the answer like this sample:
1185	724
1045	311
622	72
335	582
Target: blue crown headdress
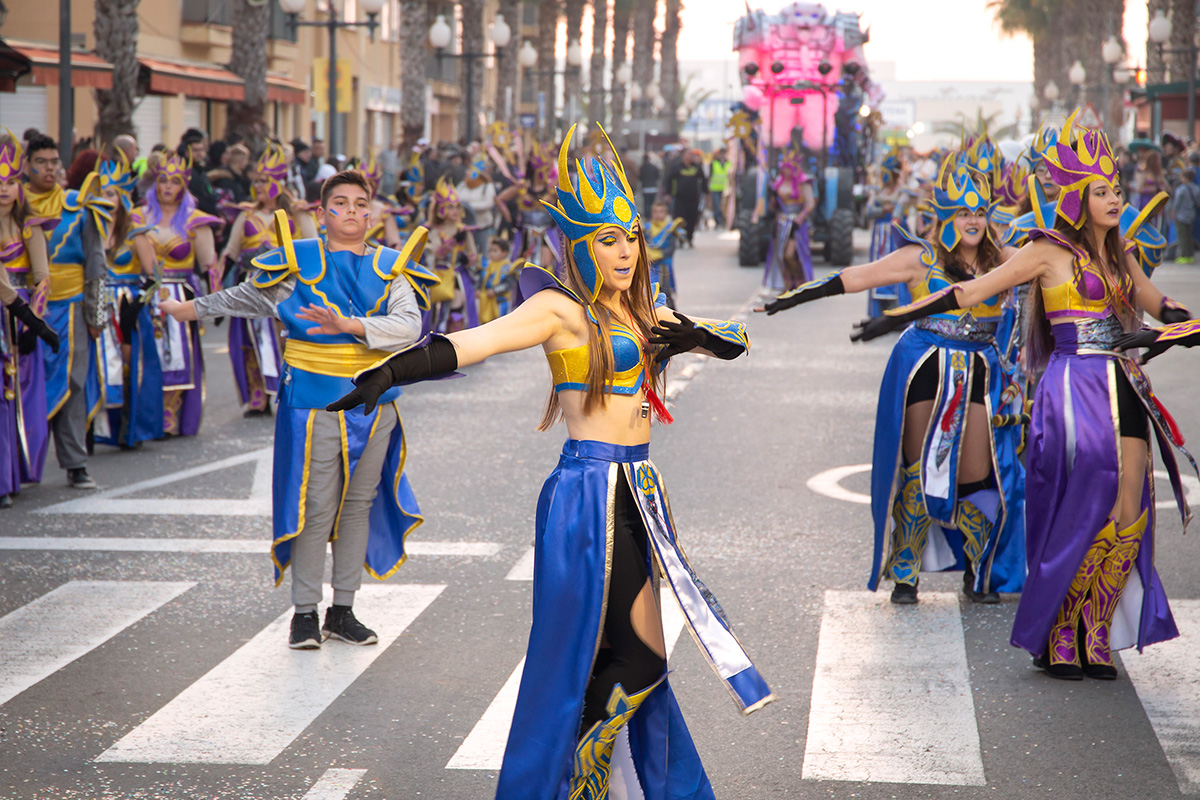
1043	141
603	198
958	188
116	173
890	166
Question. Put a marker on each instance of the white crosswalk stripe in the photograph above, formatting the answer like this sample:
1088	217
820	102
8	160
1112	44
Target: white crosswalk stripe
1167	679
63	625
242	546
484	746
335	784
269	694
891	697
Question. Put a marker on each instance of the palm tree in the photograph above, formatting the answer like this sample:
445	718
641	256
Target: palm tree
472	42
1183	34
670	63
622	14
573	78
644	39
547	43
116	41
596	107
1155	65
413	59
251	23
1035	19
507	90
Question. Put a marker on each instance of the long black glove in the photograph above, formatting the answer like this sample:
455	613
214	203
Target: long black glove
36	325
1158	340
936	303
683	336
438	357
1171	312
813	290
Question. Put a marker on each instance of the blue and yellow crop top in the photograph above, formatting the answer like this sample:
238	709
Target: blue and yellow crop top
1086	295
935	279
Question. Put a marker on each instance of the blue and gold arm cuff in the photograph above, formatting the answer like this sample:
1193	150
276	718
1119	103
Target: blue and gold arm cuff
725	340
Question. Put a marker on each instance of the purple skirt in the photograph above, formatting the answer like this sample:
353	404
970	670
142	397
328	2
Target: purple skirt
1071	485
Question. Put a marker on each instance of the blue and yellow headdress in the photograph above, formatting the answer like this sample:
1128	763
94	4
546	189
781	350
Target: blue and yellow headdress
958	188
1043	140
983	155
603	198
115	173
889	168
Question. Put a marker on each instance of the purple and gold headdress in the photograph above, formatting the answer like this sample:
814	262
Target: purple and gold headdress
174	165
10	162
791	171
372	170
1076	166
444	194
603	198
272	165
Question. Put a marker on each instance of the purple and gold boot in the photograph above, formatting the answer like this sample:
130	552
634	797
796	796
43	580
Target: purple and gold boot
1103	597
1062	658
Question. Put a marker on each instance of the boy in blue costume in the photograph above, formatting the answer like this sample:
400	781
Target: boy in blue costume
338	477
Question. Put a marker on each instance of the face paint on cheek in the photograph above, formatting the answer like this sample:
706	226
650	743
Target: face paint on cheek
333	213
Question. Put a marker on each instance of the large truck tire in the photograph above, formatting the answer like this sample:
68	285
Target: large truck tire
841	238
751	252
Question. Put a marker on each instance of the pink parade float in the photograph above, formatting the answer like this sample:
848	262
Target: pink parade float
804	82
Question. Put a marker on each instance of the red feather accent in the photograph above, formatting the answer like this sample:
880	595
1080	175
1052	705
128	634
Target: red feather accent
952	407
660	409
1176	434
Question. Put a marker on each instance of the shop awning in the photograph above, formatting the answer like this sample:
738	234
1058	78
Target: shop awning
13	65
193	80
87	70
286	90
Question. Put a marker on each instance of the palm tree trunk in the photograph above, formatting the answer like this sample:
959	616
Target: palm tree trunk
573	77
116	41
670	64
596	107
1155	66
249	62
622	12
547	43
644	39
507	90
1183	34
414	25
472	42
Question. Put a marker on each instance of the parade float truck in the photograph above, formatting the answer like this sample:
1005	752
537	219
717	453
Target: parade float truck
805	84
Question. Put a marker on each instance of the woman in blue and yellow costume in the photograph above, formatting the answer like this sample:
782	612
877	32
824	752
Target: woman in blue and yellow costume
129	372
534	237
595	664
173	241
789	259
498	282
452	257
1090	515
254	345
947	484
24	284
886	204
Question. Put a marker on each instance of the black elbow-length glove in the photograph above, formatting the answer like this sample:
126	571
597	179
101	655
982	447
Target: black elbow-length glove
431	360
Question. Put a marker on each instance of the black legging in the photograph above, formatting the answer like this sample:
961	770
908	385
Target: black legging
626	660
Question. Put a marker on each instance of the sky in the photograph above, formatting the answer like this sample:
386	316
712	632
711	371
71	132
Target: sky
977	51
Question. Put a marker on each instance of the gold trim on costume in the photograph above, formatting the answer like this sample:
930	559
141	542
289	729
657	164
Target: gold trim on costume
340	360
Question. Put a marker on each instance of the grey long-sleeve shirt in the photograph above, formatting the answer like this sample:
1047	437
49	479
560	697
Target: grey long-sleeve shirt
394	331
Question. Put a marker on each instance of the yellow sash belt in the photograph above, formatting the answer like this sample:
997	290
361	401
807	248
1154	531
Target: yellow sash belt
338	360
66	281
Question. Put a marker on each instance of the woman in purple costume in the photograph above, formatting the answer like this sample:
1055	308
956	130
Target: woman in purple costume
24	283
789	259
171	238
1090	511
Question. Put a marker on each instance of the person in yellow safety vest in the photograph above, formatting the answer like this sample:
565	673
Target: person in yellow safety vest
717	181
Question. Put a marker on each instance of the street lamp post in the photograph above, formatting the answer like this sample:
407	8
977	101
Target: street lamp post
66	94
440	37
1112	53
293	8
1077	75
1160	31
574	63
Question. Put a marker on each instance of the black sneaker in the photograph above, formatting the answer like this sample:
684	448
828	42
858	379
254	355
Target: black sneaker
79	479
904	595
340	623
985	598
306	631
6	501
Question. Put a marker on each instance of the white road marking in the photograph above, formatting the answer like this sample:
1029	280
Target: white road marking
523	569
116	501
252	705
1191	490
484	746
829	482
251	546
891	697
1167	679
335	784
63	625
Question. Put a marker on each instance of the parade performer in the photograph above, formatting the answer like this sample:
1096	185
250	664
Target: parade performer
24	284
254	345
1036	209
129	371
661	238
947	484
453	259
499	280
338	477
885	205
789	260
385	230
1090	518
173	240
596	657
75	248
533	236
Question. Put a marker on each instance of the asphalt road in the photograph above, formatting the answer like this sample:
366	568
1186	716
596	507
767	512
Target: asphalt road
111	661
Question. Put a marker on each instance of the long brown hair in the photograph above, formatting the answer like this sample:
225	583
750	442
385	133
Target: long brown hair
120	229
987	257
1114	270
639	302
